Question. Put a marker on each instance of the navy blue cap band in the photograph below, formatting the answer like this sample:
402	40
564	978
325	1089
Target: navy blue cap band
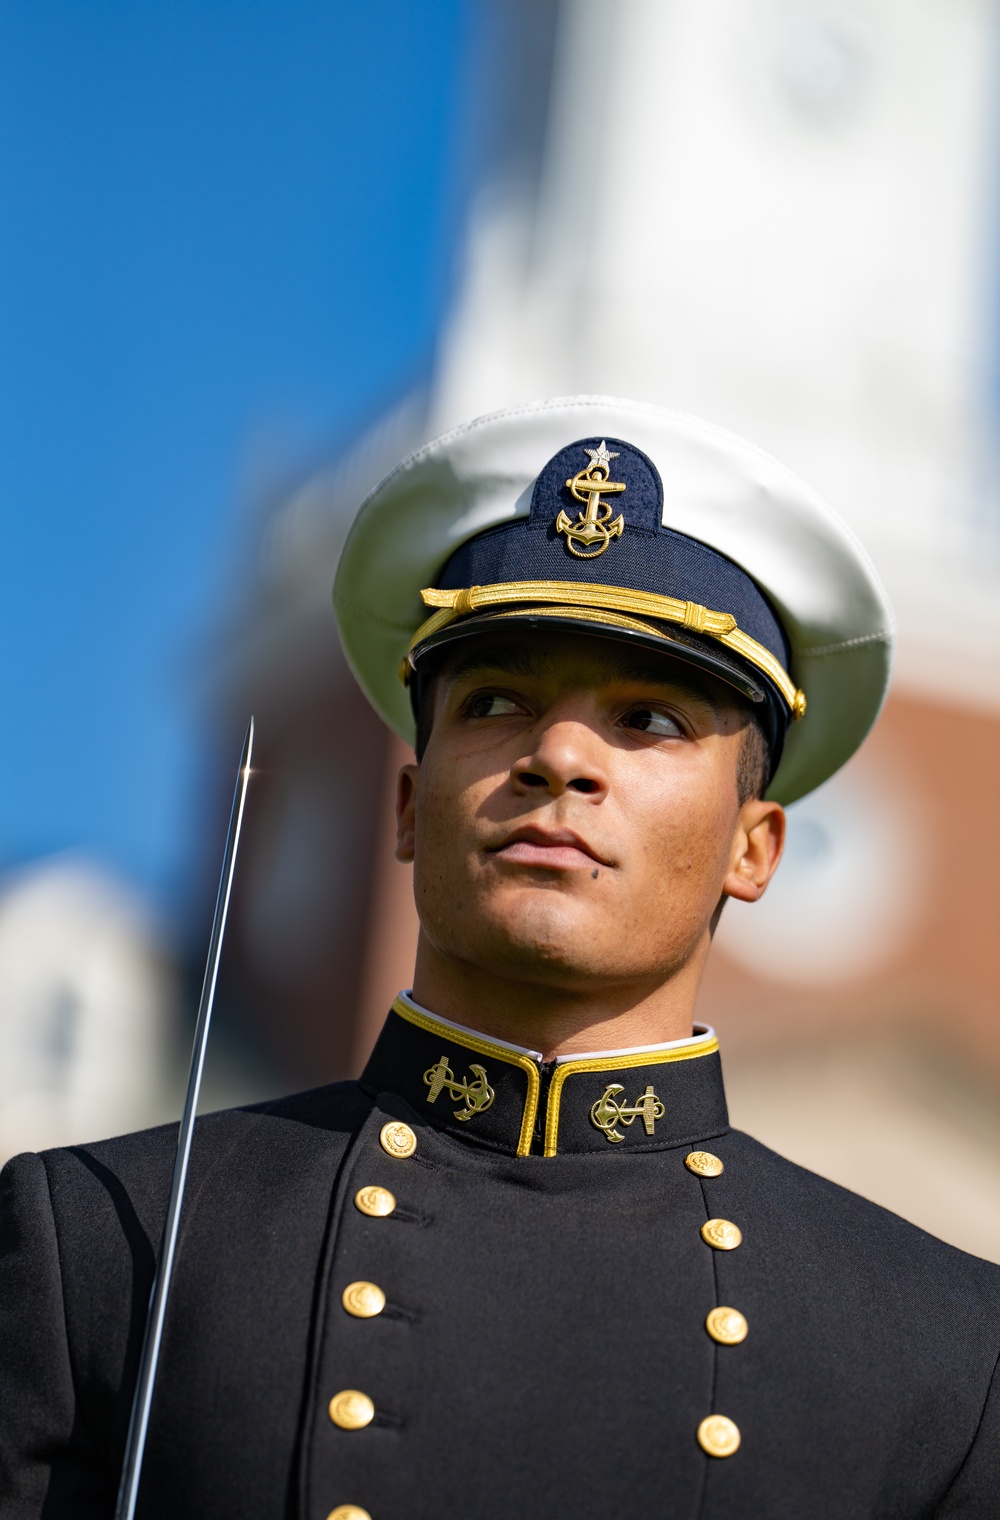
595	521
646	556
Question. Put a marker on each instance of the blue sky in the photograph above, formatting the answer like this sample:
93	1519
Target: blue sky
222	224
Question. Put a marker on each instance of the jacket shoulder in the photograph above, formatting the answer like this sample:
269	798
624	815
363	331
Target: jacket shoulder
829	1212
274	1137
336	1106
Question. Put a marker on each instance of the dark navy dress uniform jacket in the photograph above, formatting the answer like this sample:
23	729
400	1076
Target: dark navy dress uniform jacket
542	1351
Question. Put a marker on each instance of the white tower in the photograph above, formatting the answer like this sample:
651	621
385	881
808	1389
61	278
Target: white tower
85	1010
778	214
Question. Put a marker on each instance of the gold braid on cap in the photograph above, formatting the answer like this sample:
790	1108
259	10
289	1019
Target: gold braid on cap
573	595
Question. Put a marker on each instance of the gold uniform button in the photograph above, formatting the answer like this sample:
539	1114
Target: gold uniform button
397	1139
348	1512
351	1410
375	1201
363	1299
727	1326
704	1164
722	1234
718	1436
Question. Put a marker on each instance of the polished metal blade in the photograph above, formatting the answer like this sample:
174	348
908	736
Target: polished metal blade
135	1445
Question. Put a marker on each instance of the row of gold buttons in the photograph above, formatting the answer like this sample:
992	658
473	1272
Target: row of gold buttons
350	1409
718	1435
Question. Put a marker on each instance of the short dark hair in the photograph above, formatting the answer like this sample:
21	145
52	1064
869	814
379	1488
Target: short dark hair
422	685
753	764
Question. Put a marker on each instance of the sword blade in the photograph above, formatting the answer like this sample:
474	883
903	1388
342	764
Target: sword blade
142	1401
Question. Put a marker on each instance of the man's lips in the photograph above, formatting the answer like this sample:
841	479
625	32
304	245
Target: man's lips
554	849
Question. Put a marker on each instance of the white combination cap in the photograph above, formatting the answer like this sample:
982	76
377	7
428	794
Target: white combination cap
631	522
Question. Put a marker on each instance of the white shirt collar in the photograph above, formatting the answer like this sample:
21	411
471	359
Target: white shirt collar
701	1031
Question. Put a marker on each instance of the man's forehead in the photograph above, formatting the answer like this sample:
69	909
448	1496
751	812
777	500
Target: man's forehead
589	659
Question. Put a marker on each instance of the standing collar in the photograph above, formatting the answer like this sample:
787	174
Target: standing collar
509	1099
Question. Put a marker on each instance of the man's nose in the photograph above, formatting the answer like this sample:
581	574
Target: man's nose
567	756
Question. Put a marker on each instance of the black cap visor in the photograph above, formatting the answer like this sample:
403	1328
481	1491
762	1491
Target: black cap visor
770	709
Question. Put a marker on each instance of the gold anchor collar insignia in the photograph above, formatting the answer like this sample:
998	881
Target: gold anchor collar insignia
478	1094
594	527
511	1100
609	1111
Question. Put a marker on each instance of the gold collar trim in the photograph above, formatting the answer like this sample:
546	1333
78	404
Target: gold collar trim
620	1062
566	1066
484	1047
573	595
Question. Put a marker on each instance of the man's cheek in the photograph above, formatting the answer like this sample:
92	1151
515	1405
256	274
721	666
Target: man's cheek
446	829
682	857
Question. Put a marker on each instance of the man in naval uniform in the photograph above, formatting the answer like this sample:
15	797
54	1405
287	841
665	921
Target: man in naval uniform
523	1266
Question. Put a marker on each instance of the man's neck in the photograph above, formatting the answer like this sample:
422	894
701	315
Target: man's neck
558	1020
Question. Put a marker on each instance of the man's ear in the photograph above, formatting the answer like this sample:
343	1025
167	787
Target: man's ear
757	846
406	811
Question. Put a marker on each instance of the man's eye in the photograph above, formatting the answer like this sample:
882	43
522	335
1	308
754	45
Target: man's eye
648	721
490	704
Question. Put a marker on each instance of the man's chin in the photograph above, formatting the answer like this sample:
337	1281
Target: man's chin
547	935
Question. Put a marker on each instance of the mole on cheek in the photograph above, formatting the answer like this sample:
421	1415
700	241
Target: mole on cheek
595	873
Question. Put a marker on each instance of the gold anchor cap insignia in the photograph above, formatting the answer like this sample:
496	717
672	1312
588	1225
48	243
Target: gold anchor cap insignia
608	1112
478	1095
594	527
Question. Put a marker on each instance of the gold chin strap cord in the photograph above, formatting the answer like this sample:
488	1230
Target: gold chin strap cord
619	599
